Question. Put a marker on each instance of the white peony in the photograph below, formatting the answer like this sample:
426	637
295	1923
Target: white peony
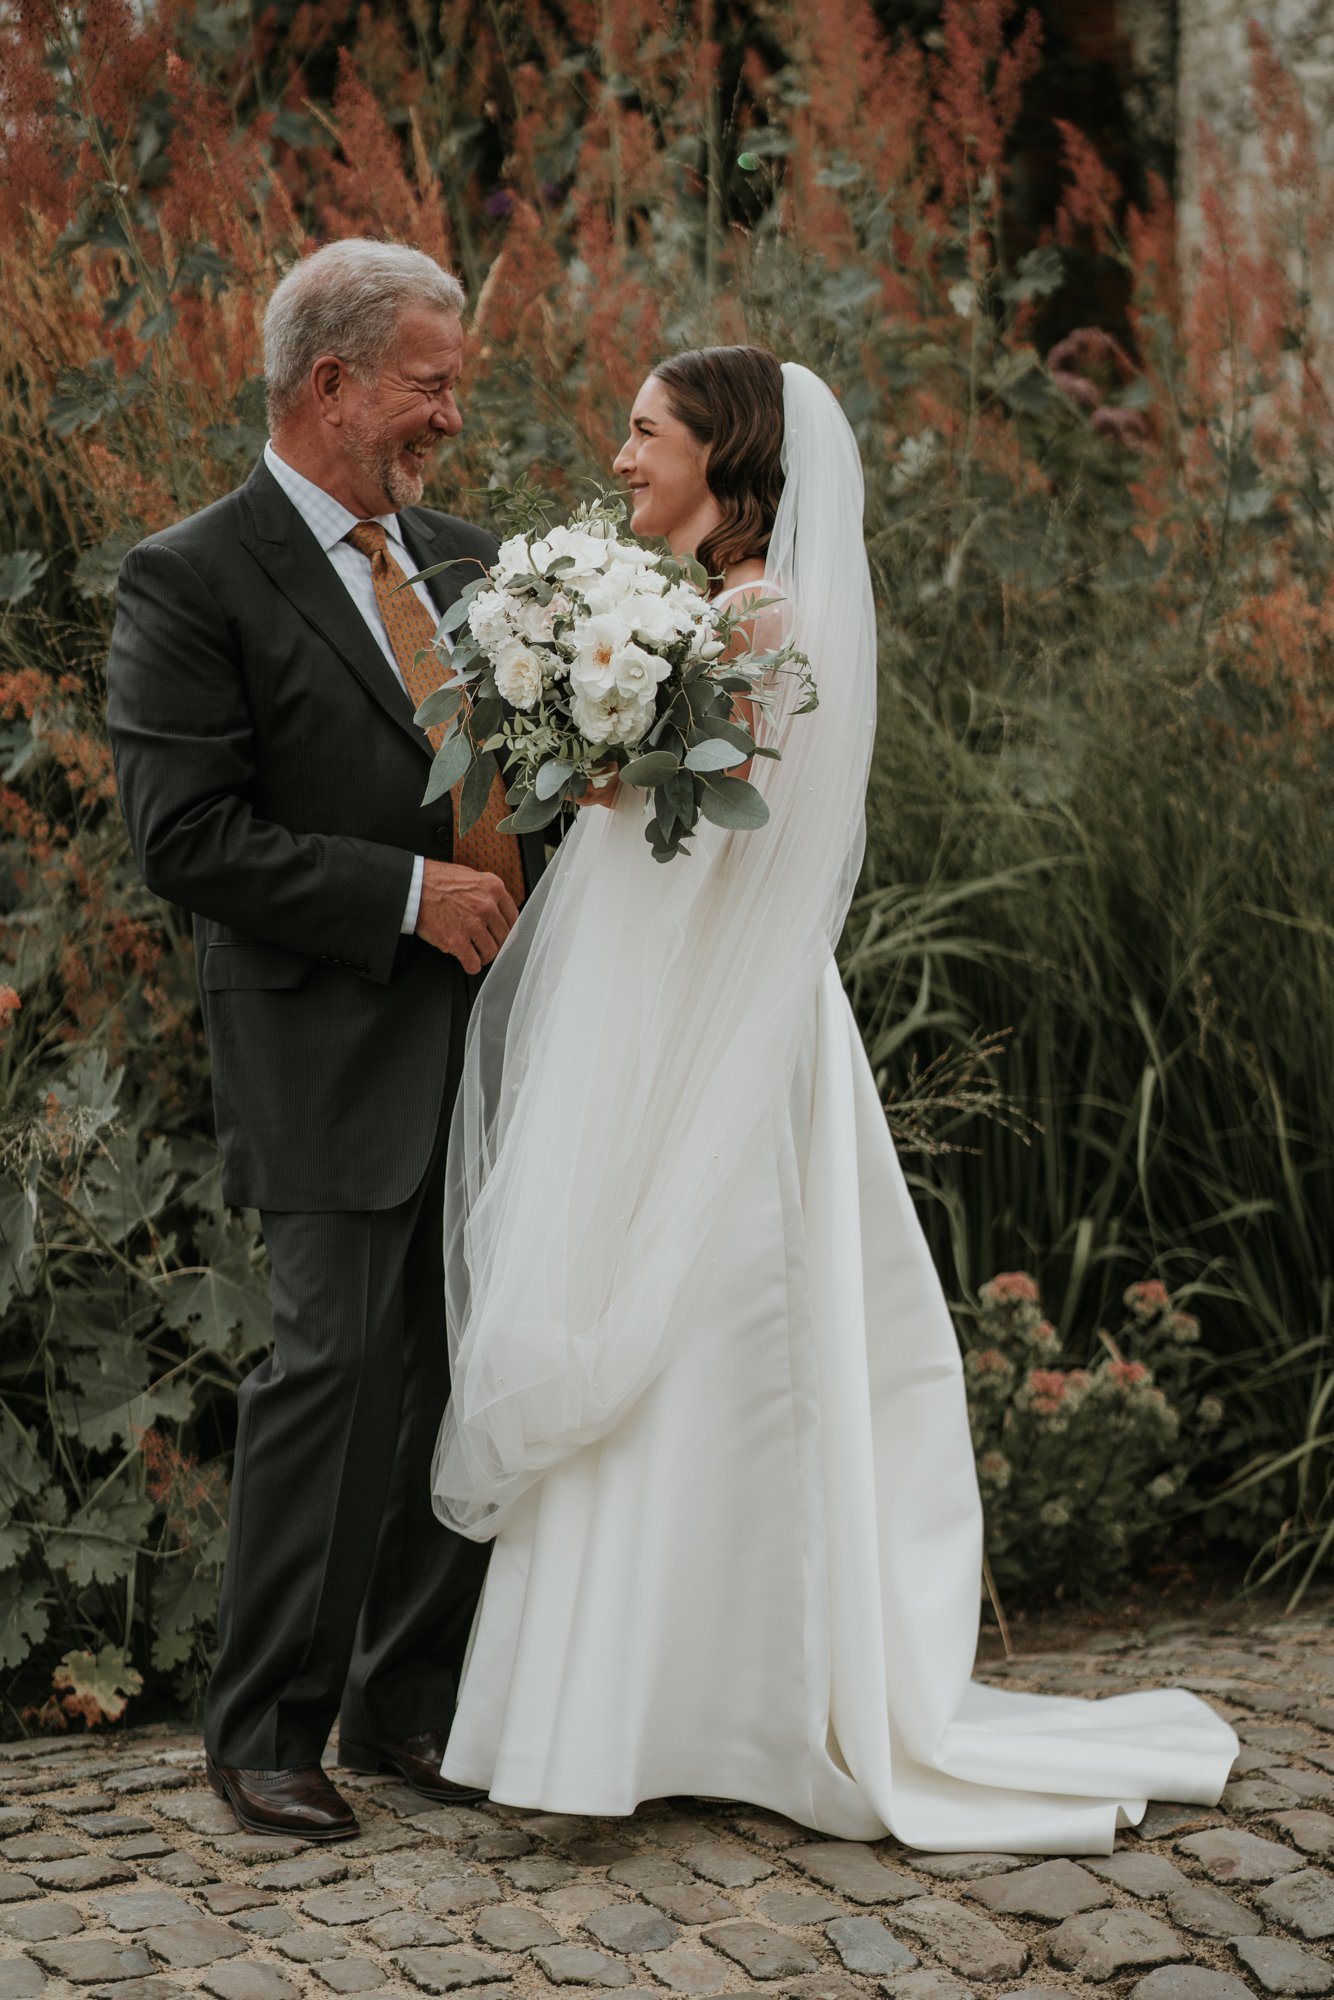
614	718
489	619
639	673
596	643
518	674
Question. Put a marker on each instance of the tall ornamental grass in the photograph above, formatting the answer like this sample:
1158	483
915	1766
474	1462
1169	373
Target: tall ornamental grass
1093	950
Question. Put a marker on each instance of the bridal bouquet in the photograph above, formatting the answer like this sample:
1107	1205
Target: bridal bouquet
583	656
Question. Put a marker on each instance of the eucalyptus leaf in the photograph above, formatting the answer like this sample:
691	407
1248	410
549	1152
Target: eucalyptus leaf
681	795
451	761
436	569
733	733
551	777
457	613
439	707
476	791
714	754
652	769
732	803
532	815
488	712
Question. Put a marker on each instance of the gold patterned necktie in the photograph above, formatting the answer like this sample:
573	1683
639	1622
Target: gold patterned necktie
411	629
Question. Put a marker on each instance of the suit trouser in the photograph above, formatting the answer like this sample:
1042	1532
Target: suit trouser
340	1584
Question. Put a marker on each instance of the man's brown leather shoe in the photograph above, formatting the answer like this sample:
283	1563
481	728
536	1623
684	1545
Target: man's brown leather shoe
300	1801
417	1760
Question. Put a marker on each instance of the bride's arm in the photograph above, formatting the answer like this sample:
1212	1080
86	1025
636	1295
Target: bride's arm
747	637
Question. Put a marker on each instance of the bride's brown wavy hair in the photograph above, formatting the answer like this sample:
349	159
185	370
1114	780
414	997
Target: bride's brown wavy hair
730	399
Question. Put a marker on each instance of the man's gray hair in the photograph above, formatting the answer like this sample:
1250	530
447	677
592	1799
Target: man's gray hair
346	300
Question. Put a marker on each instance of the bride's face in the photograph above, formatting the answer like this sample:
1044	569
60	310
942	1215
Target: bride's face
663	464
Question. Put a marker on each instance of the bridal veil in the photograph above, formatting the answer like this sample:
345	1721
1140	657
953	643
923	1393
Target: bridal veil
630	1036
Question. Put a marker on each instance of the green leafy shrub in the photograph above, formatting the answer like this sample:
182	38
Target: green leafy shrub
133	1304
1082	1466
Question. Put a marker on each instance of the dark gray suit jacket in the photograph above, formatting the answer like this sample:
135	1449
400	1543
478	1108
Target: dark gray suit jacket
271	777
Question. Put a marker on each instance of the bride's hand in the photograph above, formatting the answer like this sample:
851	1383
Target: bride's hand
605	794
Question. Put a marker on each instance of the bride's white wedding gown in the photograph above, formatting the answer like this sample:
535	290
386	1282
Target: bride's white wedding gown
764	1585
706	1391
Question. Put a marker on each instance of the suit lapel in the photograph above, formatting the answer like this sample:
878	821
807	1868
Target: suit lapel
297	564
430	543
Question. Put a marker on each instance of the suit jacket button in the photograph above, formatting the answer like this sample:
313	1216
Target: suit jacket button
444	837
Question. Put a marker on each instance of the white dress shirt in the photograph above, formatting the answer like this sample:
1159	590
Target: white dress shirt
329	521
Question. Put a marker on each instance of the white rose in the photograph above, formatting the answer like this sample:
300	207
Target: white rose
519	675
596	642
638	673
611	591
627	549
640	562
614	718
489	619
693	608
634	720
658	620
512	557
537	622
588	553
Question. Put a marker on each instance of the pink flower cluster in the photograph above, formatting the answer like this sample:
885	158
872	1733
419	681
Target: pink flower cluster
1010	1288
1052	1390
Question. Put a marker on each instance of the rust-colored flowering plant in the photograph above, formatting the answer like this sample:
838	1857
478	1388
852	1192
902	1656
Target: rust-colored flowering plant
1080	1466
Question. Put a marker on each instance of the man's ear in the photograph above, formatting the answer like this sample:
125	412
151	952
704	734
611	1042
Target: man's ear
328	382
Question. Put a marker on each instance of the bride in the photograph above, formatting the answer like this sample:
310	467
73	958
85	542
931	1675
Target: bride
707	1397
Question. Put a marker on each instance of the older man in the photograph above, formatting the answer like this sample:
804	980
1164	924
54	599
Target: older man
263	676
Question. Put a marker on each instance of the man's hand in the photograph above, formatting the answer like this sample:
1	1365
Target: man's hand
464	912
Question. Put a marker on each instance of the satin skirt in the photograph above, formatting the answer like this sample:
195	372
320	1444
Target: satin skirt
764	1584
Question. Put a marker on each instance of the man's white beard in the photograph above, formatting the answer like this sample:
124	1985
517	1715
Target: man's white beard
377	456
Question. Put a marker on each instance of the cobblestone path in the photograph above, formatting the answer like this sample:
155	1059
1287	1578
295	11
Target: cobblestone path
120	1875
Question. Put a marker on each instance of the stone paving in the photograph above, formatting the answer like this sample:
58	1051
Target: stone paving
122	1878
